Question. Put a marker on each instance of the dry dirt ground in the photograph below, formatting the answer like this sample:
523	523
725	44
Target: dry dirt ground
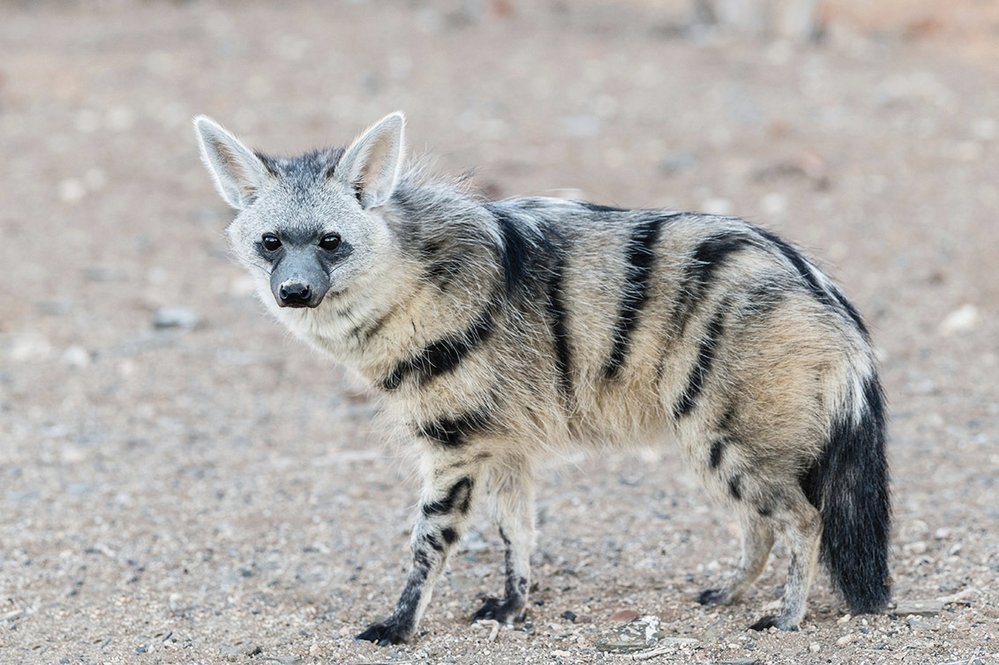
209	491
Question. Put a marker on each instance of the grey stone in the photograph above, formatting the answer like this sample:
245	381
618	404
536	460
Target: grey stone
926	608
176	317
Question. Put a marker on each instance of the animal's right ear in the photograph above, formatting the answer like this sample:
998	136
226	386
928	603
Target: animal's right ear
238	173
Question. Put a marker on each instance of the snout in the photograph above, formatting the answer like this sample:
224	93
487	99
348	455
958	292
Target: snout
298	279
297	294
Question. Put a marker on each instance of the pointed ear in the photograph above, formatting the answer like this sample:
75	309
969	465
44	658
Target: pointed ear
238	173
370	166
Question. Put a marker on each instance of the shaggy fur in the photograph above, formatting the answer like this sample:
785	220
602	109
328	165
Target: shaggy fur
502	333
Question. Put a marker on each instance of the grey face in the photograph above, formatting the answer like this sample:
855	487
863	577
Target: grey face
308	225
301	264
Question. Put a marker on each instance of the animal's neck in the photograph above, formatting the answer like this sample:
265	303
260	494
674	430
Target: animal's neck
440	278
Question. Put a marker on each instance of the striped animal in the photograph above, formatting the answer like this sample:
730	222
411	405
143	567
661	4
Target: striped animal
502	333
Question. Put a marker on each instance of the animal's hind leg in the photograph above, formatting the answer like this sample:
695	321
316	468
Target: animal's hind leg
512	488
800	525
757	539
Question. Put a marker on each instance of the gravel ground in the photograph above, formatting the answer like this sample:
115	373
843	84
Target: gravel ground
181	483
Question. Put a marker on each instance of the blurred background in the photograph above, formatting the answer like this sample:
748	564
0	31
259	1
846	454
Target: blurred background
181	482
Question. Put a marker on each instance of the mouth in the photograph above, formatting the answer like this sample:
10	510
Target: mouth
301	303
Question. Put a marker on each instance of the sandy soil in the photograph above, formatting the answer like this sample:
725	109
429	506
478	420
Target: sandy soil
212	492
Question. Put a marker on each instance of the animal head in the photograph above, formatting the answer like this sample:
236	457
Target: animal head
307	225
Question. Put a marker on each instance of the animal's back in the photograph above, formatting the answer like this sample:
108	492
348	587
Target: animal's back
652	321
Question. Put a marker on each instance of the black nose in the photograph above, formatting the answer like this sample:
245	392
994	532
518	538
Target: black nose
295	294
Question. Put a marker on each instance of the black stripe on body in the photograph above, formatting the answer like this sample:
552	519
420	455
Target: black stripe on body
380	323
516	254
735	487
719	444
802	266
459	497
717	448
441	268
710	256
702	366
456	432
596	207
442	356
764	297
831	296
851	311
559	316
367	330
449	535
640	258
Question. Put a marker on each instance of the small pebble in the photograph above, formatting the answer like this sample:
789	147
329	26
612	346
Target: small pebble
176	317
624	615
75	356
962	319
71	190
925	608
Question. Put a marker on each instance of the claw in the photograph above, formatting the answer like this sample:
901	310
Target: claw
383	634
712	597
504	611
770	621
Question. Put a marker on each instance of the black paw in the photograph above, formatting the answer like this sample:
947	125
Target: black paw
712	597
504	611
384	633
773	622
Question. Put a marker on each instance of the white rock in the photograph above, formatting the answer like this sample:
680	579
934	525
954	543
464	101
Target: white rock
76	356
71	190
962	319
176	317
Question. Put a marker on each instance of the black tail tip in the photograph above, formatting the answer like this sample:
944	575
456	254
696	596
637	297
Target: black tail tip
870	599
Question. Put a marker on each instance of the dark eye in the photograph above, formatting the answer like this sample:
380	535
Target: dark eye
330	241
271	242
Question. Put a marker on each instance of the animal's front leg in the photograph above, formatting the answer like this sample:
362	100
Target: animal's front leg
439	526
513	488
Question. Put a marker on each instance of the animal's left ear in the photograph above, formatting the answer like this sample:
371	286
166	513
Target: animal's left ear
370	166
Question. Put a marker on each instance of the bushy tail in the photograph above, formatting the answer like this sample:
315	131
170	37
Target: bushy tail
849	486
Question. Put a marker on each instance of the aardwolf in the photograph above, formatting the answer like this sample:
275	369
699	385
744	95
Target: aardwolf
501	333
